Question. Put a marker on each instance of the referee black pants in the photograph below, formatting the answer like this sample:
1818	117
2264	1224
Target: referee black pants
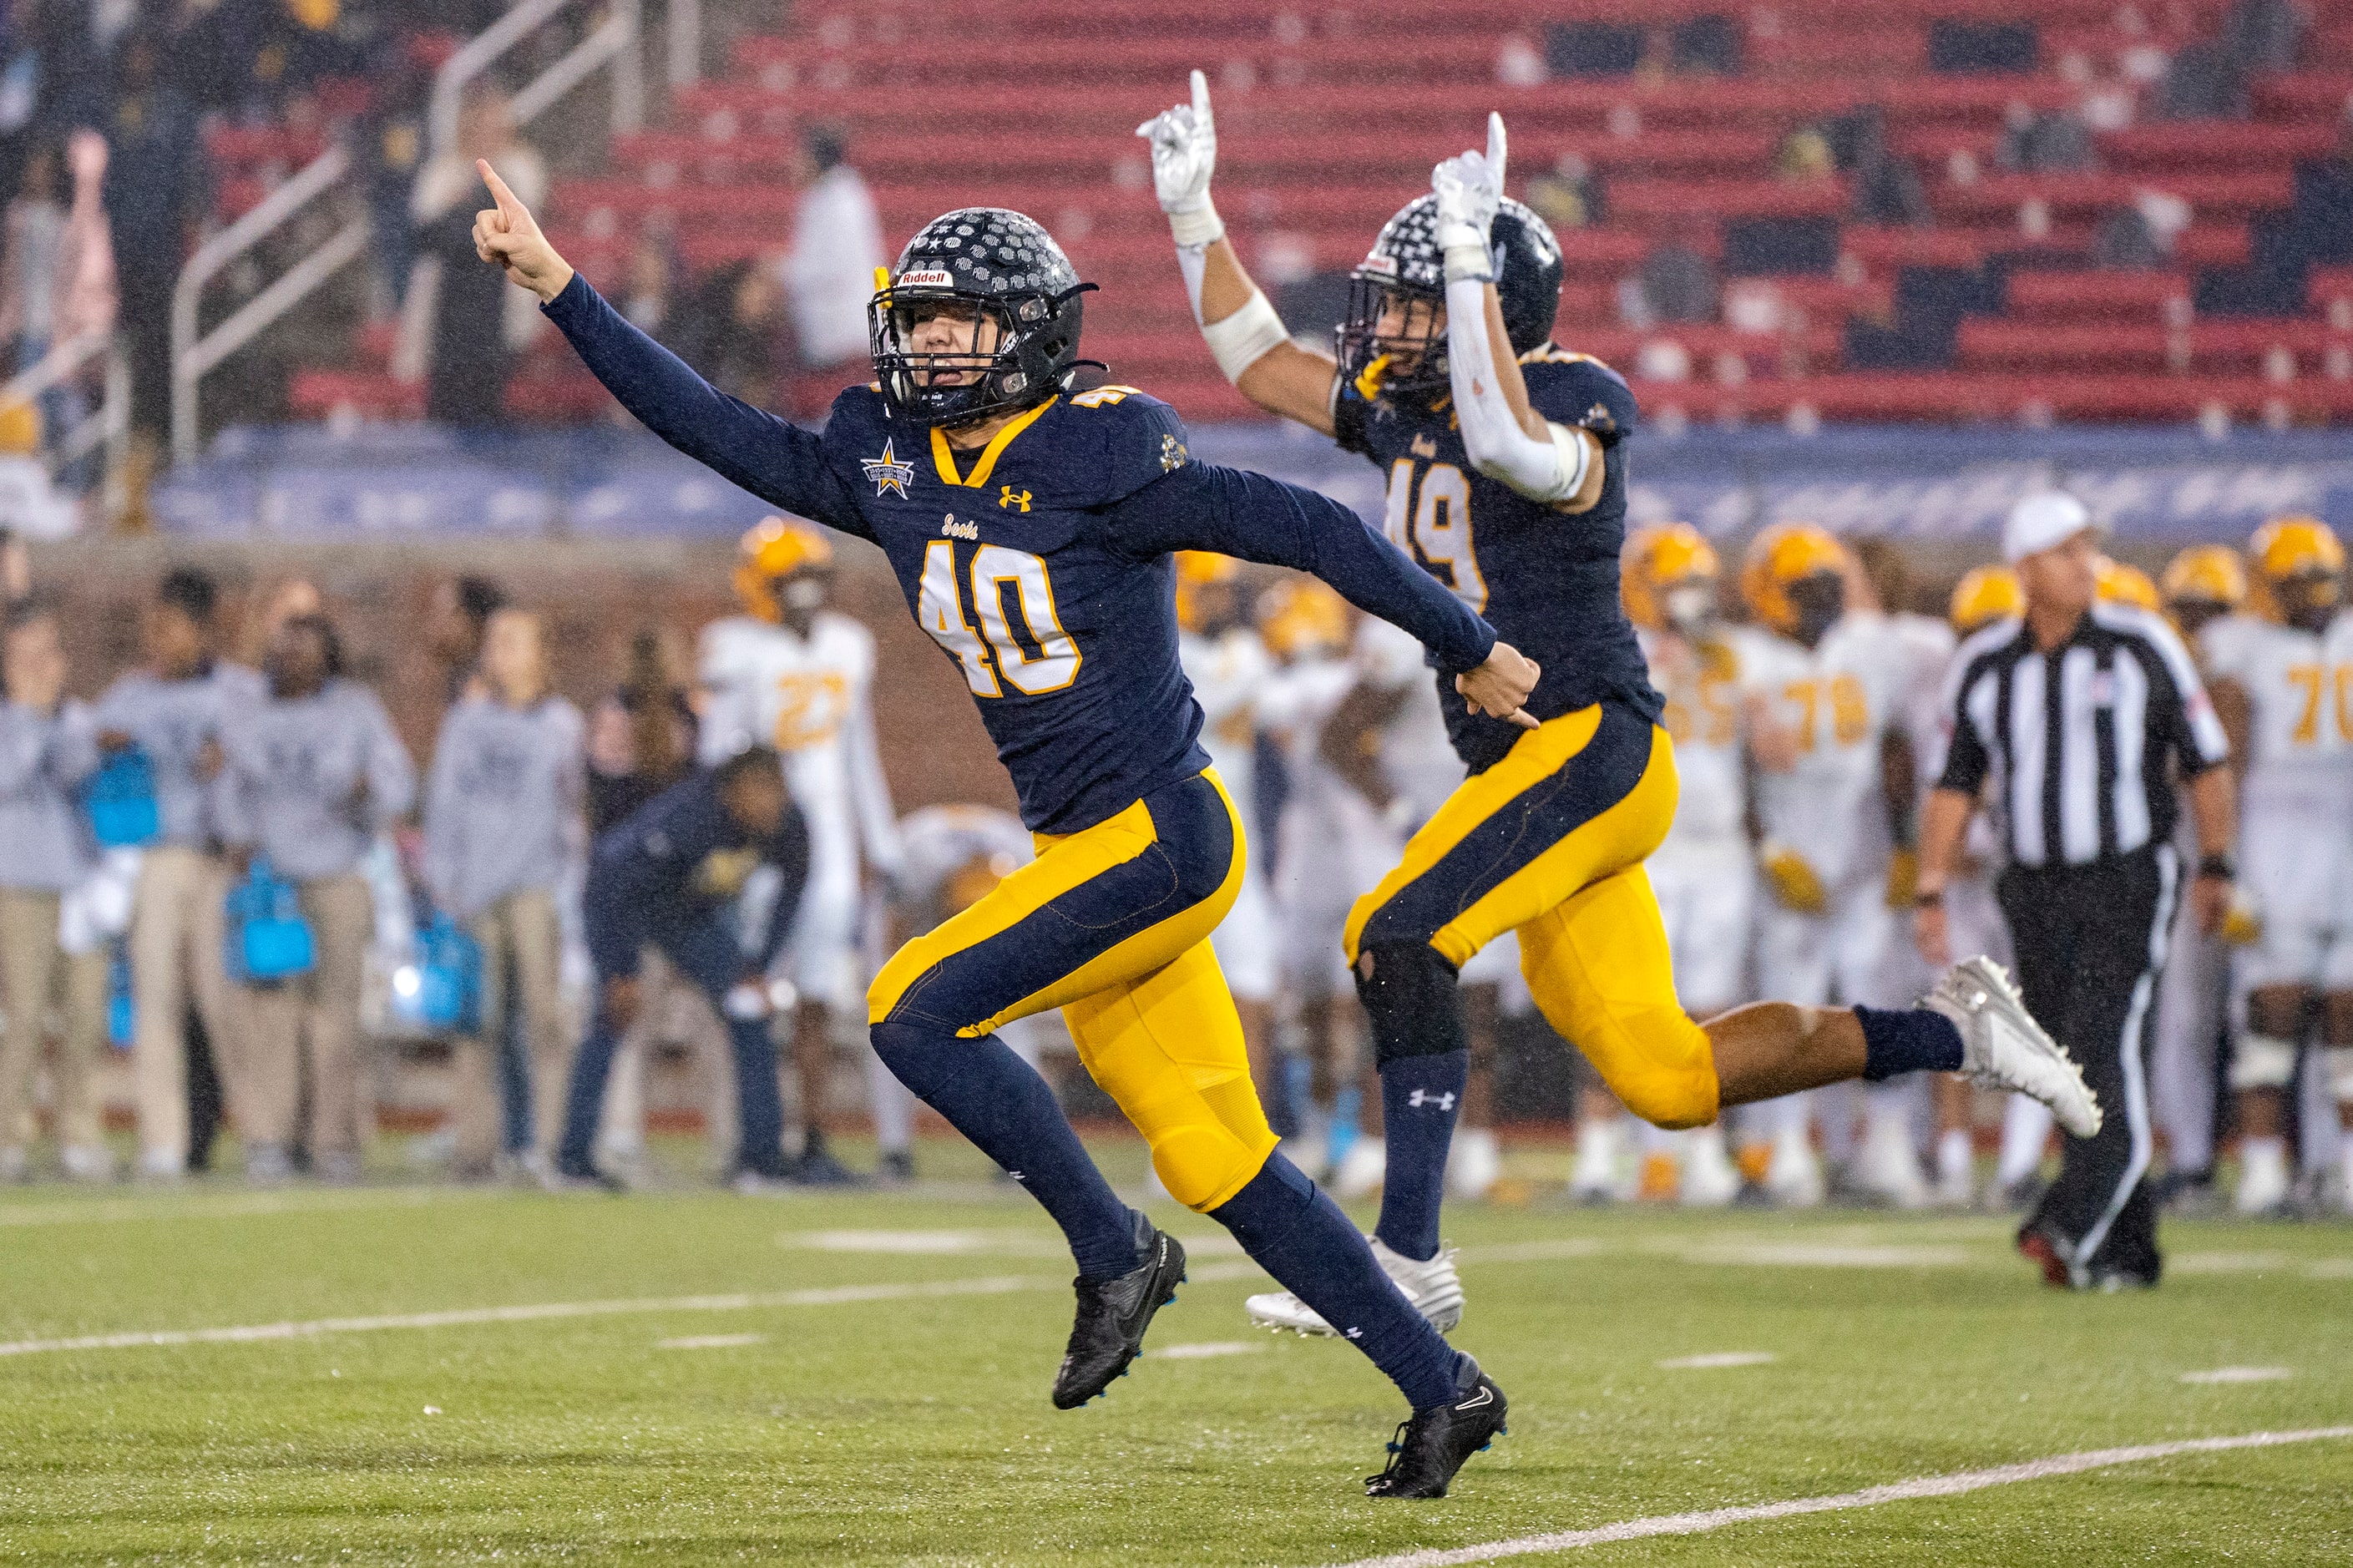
2091	942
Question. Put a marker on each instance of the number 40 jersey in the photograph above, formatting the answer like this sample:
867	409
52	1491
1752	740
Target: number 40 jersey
1545	580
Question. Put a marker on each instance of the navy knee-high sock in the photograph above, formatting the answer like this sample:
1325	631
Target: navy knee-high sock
1912	1039
1297	1235
1421	1098
998	1100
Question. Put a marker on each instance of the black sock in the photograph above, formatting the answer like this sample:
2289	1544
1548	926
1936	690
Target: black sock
1912	1040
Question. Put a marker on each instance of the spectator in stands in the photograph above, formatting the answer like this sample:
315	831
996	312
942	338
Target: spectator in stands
643	738
653	278
829	273
310	775
463	320
2053	141
1572	196
45	750
1804	158
2205	82
59	279
173	708
53	79
1677	282
1710	44
154	188
458	618
2264	35
501	820
1887	188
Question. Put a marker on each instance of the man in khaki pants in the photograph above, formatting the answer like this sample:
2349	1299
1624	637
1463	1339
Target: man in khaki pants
45	750
171	709
501	817
309	776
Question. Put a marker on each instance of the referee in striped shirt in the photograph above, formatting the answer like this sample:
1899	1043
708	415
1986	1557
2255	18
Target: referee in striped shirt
2080	725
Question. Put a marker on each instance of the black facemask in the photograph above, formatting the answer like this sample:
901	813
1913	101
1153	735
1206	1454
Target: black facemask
1818	600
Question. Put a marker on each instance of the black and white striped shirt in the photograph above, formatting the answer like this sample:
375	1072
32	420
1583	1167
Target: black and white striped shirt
2079	740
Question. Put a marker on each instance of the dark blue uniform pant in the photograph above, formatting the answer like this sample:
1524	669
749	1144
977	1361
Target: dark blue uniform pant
707	954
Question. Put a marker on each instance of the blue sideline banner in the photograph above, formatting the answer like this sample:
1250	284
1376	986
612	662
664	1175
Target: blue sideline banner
2158	485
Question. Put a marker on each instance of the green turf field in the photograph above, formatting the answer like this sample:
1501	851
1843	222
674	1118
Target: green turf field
866	1382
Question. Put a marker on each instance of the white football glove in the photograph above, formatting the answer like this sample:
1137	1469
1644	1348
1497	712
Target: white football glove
1184	155
1470	188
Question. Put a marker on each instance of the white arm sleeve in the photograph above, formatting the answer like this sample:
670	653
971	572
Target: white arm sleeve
1546	472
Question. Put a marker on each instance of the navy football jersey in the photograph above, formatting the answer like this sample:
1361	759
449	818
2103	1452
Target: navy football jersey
1040	564
1545	580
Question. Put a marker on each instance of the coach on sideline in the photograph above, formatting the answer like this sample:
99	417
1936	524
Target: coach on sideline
2080	713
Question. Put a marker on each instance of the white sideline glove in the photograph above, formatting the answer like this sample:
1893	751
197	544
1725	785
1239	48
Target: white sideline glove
1470	188
1184	142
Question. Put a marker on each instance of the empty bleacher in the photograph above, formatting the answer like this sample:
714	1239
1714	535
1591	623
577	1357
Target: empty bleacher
1331	115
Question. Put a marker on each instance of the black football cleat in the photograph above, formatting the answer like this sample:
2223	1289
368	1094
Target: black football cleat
1113	1315
1432	1444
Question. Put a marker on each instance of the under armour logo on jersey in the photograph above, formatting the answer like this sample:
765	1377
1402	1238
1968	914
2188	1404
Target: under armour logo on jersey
1353	1334
889	474
1011	497
1421	1097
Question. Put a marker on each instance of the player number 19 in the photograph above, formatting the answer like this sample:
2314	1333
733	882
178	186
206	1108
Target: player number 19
940	606
1431	522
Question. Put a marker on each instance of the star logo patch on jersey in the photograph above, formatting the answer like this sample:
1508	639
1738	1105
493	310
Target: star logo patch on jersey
890	474
1173	455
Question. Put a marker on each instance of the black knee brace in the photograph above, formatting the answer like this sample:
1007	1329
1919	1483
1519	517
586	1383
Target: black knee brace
1411	1001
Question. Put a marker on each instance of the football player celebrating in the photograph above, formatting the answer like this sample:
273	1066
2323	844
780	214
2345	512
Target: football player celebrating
2283	688
791	674
1031	526
1507	480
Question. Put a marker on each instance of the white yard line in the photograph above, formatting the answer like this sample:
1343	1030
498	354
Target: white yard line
1952	1485
230	1205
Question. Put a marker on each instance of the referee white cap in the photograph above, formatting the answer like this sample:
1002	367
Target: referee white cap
2042	521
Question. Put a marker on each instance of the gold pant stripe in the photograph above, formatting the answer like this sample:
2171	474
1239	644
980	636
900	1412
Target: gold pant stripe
1537	756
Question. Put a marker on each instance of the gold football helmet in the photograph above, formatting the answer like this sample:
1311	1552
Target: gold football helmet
2208	574
1302	616
1660	559
772	550
1197	570
2118	583
1984	595
2297	562
1782	554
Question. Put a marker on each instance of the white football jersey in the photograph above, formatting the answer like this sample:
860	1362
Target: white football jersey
812	699
1230	674
1416	752
1704	685
1925	645
2299	687
1839	698
940	840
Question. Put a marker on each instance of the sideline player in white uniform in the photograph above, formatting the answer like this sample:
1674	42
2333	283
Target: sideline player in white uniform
1984	595
950	858
1704	874
2284	681
2201	586
1833	681
1889	1164
1227	663
791	674
1338	689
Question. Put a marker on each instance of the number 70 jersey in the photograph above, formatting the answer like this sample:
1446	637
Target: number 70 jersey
1545	580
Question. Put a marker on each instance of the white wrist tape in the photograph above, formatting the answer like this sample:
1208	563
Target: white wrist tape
1249	336
1200	226
1470	262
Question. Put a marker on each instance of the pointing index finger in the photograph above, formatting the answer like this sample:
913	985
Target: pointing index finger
508	207
1495	146
1200	98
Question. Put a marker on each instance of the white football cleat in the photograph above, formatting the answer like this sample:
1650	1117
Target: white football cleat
1886	1167
1794	1179
2262	1177
1362	1169
2003	1048
1433	1287
1474	1164
1710	1178
1596	1178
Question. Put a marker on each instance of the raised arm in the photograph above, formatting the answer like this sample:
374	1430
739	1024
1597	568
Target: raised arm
1232	511
773	459
1248	339
1507	439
